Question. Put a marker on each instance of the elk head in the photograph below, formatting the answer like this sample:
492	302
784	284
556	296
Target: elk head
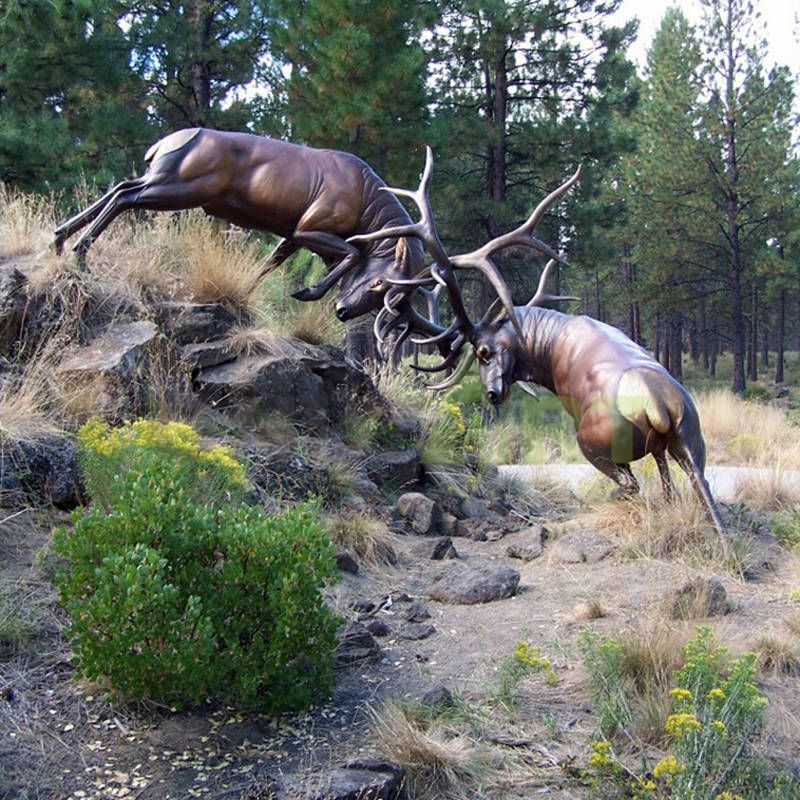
497	340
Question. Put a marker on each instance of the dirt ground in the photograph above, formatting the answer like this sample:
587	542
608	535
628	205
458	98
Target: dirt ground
62	738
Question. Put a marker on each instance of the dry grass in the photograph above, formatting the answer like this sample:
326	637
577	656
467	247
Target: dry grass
27	222
749	432
361	535
439	761
772	490
313	322
30	404
586	610
649	526
777	656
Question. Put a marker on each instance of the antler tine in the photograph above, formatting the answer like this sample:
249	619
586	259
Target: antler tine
460	371
539	211
523	235
448	362
541	296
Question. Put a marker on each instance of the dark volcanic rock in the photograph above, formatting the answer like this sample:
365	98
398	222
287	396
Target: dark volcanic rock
474	584
416	630
45	469
397	468
313	387
367	779
189	323
355	645
12	306
424	514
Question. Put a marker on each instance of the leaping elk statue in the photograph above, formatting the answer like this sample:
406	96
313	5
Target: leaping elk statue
314	199
624	403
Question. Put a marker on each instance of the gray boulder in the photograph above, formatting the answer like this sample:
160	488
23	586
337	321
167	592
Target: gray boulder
116	368
469	584
313	387
423	513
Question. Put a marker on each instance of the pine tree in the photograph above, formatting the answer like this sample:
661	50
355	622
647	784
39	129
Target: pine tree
68	103
357	80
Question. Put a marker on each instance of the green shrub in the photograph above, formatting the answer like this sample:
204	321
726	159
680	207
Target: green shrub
786	527
178	600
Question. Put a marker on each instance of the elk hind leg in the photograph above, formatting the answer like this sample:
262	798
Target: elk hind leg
621	474
663	471
80	220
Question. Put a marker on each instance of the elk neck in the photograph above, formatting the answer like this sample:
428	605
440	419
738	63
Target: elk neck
381	209
540	329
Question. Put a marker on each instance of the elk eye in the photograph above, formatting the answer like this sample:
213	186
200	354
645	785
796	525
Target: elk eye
377	283
483	353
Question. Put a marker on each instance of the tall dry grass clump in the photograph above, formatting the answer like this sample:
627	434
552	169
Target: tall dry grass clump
650	526
27	222
30	404
739	431
439	761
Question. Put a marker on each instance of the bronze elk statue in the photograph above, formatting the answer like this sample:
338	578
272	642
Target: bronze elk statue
623	402
314	199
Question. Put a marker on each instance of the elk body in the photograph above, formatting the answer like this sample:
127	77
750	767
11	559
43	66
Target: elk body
624	403
314	199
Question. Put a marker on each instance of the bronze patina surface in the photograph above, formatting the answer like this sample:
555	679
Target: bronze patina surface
314	199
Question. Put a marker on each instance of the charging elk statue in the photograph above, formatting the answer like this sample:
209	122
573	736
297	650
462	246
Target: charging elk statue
624	403
312	198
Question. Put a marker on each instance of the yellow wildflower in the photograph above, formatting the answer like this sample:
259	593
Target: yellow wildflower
719	725
679	725
601	755
668	768
681	694
728	796
716	694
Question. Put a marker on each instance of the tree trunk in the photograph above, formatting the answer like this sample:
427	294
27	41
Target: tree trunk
732	209
202	17
780	333
752	355
675	345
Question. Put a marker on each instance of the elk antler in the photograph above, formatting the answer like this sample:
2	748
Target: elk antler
443	269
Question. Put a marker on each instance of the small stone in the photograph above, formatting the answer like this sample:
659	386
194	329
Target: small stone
530	546
417	612
474	584
577	547
424	514
438	697
356	644
377	627
416	630
346	563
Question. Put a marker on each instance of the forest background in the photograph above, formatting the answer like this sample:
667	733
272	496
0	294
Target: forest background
684	231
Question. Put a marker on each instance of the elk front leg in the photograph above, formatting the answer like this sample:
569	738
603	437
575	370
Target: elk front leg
331	248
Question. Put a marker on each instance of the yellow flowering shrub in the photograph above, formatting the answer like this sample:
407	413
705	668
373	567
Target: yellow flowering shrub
108	454
667	769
